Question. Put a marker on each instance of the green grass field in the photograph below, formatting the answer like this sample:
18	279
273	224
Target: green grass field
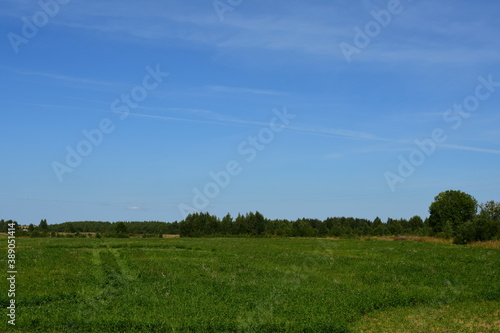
252	285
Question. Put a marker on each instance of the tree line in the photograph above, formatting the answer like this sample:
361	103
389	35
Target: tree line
97	228
256	225
453	214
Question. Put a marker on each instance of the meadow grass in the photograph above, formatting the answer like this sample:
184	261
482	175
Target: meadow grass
252	285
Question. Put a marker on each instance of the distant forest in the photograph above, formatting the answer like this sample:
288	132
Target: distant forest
256	225
104	229
248	225
453	214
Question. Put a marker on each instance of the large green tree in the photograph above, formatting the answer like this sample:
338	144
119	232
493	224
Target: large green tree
451	209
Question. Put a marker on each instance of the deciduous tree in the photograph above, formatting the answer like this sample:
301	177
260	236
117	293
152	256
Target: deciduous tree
454	207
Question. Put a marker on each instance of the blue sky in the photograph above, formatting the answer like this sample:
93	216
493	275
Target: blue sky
66	67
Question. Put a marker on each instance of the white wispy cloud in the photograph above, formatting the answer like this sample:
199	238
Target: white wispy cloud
132	114
200	25
339	133
203	113
291	33
135	208
311	29
66	78
239	90
467	148
227	121
57	106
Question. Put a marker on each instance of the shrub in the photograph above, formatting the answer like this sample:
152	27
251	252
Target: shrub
480	229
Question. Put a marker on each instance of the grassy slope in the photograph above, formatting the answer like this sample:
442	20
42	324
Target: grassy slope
255	285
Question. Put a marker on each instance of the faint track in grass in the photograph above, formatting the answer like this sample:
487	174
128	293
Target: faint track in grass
111	271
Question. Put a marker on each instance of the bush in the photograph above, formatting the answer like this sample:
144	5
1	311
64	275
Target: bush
478	230
465	234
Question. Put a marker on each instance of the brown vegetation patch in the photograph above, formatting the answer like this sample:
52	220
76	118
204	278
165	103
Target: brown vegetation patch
171	236
489	244
409	238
